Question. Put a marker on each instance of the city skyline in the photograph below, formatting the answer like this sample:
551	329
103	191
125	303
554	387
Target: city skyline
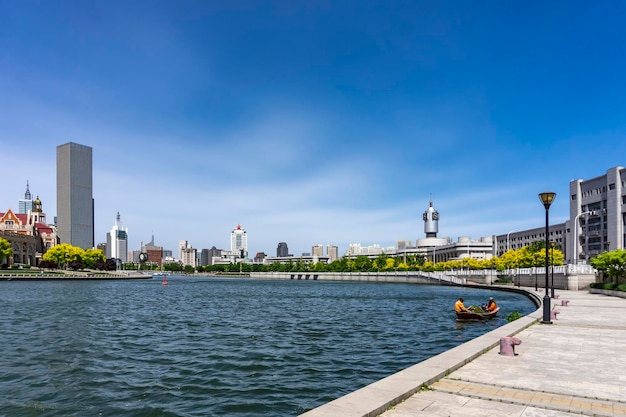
314	123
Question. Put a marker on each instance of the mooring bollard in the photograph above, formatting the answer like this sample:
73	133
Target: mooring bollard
556	296
507	345
553	314
564	302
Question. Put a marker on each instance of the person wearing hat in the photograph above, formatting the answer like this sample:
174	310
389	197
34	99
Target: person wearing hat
459	306
491	305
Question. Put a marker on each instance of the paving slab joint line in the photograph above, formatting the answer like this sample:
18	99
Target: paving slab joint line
517	389
537	405
534	398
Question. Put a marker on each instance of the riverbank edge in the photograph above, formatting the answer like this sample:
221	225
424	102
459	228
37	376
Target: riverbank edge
72	277
378	397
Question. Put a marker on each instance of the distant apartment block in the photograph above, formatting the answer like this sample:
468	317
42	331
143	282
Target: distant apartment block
317	250
209	255
75	210
332	252
189	256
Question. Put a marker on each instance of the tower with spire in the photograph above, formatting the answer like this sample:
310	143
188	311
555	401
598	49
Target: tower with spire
26	205
117	241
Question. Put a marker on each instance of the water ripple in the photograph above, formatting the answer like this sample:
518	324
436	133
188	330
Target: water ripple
214	347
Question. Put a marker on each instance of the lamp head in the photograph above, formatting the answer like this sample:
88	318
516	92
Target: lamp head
547	198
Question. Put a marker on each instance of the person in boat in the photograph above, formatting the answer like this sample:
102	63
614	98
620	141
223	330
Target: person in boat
459	306
491	305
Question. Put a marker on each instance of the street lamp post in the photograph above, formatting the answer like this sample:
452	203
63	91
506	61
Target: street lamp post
535	272
507	240
547	198
576	225
552	268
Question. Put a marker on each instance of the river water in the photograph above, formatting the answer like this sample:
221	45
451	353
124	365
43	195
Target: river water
217	347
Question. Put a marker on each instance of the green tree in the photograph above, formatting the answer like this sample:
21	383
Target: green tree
380	263
173	267
91	257
63	254
612	263
5	251
362	263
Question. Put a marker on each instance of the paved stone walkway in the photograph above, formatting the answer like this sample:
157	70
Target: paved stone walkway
575	366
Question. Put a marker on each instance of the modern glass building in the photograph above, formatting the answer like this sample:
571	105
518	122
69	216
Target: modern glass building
26	205
282	250
75	211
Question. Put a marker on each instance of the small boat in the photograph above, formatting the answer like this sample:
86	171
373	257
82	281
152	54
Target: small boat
159	274
476	313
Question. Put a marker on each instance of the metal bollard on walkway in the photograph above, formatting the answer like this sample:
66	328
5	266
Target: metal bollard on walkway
507	345
564	302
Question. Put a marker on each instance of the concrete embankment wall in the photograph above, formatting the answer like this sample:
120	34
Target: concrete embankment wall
397	277
566	277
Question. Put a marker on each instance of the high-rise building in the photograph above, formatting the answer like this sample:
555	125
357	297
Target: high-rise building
214	253
117	241
597	215
317	250
189	256
182	245
75	211
332	252
26	205
282	250
239	241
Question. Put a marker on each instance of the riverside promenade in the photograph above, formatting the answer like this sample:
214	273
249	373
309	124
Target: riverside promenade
574	366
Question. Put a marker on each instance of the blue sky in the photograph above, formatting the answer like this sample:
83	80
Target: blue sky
312	122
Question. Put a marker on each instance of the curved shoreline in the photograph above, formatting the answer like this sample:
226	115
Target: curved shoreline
374	399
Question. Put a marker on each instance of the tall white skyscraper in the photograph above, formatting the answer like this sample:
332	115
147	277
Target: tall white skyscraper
117	241
239	241
75	195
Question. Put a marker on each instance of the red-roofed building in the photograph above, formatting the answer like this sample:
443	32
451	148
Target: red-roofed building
29	235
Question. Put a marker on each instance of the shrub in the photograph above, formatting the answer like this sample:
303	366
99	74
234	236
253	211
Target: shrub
514	316
621	287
